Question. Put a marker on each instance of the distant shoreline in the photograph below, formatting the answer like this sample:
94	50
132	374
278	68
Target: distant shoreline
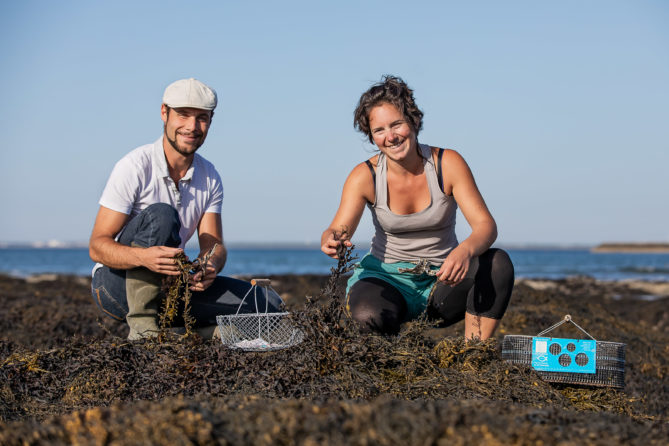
628	247
632	247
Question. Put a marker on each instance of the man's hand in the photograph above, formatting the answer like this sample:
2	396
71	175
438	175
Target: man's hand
160	259
201	280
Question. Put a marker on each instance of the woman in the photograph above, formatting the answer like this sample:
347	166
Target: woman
416	263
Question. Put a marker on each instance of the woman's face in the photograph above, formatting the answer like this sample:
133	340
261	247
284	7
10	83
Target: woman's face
390	131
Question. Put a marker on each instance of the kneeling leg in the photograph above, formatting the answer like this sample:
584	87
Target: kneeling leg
481	300
488	300
376	305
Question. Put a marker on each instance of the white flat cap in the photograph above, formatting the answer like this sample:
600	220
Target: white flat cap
190	93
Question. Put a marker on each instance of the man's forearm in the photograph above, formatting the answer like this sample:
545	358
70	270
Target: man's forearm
223	257
114	255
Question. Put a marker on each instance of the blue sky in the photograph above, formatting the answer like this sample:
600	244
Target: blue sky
560	108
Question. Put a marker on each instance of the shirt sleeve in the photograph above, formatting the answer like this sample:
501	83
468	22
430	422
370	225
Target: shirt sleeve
122	187
215	203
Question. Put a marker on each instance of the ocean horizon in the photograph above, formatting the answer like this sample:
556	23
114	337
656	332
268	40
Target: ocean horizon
59	244
246	259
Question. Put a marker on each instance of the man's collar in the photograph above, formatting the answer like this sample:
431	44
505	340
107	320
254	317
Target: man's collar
160	162
158	159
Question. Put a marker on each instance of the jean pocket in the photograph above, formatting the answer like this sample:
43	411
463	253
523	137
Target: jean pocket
109	306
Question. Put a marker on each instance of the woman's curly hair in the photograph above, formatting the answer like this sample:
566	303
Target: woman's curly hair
392	90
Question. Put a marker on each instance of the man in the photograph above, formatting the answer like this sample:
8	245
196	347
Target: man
157	196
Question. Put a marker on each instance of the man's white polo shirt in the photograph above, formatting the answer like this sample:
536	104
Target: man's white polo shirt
141	178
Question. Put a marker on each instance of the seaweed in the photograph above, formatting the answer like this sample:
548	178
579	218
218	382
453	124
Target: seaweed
340	386
177	290
178	294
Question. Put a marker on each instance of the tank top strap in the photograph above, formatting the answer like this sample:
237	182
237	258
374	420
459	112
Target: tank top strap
381	188
372	171
430	170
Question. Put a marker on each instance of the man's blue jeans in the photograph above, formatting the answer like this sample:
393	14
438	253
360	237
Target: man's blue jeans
159	225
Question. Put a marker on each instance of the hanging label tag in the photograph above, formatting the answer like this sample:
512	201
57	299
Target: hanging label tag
564	355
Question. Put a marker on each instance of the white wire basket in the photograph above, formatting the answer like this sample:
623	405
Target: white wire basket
259	331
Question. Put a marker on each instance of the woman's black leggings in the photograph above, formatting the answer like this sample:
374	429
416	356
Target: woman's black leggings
378	306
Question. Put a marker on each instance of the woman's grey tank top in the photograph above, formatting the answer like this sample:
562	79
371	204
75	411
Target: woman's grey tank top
428	234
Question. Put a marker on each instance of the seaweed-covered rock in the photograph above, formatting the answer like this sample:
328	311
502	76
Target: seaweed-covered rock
85	383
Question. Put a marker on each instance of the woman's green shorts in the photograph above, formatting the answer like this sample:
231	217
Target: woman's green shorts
416	288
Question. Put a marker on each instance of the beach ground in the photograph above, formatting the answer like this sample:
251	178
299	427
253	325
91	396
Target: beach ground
69	376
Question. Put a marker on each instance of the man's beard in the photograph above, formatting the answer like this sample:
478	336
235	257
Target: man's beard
176	147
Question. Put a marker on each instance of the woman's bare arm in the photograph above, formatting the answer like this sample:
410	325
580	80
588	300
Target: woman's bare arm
358	190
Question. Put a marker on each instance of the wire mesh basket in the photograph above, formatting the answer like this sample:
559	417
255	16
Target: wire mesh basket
570	361
259	331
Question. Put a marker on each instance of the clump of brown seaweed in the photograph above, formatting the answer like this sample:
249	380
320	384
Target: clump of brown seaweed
177	291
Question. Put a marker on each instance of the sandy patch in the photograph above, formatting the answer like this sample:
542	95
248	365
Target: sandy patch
654	288
539	285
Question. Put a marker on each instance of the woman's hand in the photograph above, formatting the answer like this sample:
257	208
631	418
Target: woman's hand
330	244
455	267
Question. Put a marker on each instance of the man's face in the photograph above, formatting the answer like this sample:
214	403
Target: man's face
186	128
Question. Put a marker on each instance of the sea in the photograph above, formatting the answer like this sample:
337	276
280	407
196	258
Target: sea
545	263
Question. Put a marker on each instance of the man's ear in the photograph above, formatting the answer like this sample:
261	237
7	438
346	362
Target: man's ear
164	112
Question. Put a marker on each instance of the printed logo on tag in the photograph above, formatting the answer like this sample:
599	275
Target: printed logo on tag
564	355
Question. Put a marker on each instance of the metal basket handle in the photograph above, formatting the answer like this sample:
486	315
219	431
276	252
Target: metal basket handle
255	283
261	282
567	318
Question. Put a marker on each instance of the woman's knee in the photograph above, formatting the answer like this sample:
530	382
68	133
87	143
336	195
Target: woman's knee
493	286
498	263
370	320
376	306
